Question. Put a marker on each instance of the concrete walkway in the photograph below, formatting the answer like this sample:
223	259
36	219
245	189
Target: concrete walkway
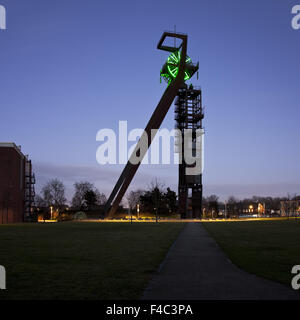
197	269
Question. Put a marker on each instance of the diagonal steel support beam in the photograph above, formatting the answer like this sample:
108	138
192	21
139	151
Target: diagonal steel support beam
154	123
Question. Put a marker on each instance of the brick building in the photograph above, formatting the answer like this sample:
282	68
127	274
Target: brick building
16	185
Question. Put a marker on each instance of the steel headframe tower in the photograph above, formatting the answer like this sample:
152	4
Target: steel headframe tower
177	69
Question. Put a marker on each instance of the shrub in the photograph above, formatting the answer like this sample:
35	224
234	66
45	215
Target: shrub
79	216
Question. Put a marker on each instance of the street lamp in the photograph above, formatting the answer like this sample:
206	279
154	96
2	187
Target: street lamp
138	210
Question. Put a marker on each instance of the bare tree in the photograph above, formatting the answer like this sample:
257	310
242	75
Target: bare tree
231	206
213	205
100	198
39	201
81	190
157	184
54	194
133	198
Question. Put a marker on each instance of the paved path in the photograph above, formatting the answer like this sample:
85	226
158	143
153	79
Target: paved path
197	269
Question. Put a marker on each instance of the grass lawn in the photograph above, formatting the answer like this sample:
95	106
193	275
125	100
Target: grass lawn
267	248
82	260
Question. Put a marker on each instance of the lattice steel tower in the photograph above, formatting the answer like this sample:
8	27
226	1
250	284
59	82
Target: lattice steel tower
188	115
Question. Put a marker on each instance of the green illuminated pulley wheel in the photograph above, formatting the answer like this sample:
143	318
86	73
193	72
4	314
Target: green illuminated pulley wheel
170	69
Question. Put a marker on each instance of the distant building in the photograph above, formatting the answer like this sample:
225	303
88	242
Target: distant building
253	208
16	185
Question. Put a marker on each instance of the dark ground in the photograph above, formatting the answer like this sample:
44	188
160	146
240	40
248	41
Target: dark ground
82	260
197	269
266	248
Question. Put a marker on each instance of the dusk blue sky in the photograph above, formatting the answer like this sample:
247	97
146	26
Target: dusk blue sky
70	68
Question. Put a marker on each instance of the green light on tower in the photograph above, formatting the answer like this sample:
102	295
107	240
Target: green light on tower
170	69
